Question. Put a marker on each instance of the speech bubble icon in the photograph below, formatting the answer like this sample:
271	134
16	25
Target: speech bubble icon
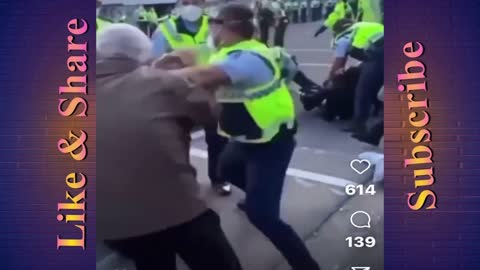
360	220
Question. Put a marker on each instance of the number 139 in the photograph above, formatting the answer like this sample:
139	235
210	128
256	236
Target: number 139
360	242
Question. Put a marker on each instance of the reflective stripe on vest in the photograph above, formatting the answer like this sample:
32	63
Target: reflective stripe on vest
178	40
269	105
363	34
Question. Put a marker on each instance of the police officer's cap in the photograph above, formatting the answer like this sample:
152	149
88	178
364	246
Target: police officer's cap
232	13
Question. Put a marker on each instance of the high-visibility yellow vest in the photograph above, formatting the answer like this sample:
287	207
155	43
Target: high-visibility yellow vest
269	106
369	10
363	34
342	10
101	24
179	40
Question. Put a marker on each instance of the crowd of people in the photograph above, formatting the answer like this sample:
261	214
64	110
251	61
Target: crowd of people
162	78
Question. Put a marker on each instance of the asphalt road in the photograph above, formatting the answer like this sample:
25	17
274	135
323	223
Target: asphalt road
314	200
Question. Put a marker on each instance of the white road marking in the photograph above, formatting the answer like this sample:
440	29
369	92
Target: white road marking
338	192
296	173
317	151
197	134
304	183
317	177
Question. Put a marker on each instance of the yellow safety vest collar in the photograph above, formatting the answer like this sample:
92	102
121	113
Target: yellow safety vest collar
179	40
363	34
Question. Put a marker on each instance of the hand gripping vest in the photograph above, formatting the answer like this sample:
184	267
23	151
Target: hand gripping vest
270	106
179	40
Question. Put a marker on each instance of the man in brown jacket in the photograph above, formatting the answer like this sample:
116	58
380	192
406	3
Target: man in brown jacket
148	207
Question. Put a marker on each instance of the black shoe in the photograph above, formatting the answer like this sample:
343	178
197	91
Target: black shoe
308	103
223	189
312	97
242	205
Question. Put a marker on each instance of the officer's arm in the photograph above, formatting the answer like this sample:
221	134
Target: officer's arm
238	69
341	54
337	66
320	30
208	77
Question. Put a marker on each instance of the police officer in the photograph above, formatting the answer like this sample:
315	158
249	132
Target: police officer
342	10
258	116
185	31
190	30
266	19
281	22
101	22
364	42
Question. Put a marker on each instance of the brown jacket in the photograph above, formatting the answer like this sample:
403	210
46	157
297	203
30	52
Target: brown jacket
145	182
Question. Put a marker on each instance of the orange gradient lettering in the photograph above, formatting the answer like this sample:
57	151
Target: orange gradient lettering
414	81
72	102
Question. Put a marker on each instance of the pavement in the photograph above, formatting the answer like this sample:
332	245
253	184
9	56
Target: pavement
314	200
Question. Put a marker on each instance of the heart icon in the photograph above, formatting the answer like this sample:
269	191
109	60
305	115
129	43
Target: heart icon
358	164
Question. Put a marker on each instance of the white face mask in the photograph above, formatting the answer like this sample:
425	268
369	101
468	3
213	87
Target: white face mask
191	13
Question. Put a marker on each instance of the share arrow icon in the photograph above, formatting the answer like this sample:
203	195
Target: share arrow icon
361	268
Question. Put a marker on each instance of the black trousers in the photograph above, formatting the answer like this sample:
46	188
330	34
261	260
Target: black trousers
215	145
368	85
201	243
259	169
279	37
264	26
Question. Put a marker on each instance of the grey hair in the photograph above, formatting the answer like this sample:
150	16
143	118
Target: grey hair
121	39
